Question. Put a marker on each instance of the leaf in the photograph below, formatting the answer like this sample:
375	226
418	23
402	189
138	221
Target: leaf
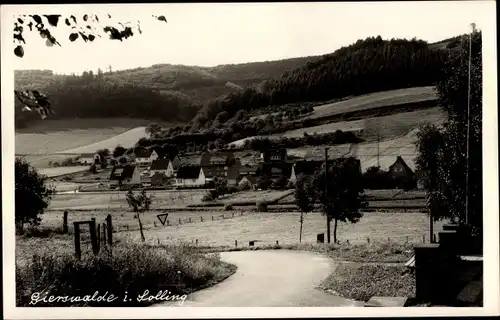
84	37
67	22
19	37
49	43
73	37
85	17
109	16
37	19
20	20
91	37
96	18
73	18
19	51
53	19
30	25
161	18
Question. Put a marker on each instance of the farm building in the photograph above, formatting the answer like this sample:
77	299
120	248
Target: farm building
221	158
190	176
124	175
89	159
248	170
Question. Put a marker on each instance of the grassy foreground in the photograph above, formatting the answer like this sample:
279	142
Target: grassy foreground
132	275
361	282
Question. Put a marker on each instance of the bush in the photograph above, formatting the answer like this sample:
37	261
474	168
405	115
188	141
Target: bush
131	268
228	207
262	206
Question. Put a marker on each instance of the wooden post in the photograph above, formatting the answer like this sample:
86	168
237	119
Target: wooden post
196	241
93	236
98	229
78	249
104	233
201	219
277	243
236	243
232	214
154	223
189	219
179	220
65	221
110	230
168	223
212	218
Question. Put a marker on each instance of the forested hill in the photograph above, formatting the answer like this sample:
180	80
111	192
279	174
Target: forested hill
366	66
169	92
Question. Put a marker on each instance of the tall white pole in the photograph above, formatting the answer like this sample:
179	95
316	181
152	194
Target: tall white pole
468	130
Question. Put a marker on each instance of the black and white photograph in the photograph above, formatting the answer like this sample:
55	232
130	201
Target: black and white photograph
214	159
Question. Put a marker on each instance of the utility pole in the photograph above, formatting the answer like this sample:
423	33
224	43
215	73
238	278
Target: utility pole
378	149
326	197
473	25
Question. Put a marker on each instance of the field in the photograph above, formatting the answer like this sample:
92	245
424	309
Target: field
388	126
56	140
387	150
284	227
374	100
161	199
54	172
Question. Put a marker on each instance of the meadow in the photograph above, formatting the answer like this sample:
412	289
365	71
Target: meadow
374	100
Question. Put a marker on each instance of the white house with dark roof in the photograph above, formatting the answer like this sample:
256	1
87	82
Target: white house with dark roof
124	175
190	176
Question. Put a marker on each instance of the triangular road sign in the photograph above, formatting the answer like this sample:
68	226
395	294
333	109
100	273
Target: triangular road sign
162	217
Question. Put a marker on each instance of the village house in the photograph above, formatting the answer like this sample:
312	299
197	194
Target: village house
220	164
124	175
156	153
162	166
310	167
274	155
275	170
248	170
142	156
401	174
190	176
89	159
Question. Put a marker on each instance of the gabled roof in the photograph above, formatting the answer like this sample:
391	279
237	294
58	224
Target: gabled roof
159	164
226	156
193	160
267	154
251	179
120	172
142	153
400	160
160	152
188	172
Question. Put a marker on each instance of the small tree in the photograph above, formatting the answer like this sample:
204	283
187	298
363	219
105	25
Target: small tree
153	129
32	194
304	198
119	151
344	193
139	204
103	154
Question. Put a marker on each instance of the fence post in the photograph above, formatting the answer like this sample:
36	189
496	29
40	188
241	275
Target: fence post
277	243
212	218
78	249
93	236
104	233
98	229
189	219
110	230
236	243
201	219
154	223
168	223
179	220
196	241
65	221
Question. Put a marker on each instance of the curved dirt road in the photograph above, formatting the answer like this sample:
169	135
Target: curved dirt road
274	278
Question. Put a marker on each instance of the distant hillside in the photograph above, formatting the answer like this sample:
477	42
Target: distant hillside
170	91
367	66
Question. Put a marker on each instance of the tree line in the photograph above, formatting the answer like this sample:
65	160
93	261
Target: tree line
369	65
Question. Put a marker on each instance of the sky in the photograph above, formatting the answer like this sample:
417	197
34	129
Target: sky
218	33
